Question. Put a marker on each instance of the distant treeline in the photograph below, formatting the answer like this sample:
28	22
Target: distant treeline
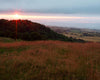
27	30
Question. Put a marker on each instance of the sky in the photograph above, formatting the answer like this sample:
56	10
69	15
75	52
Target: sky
65	13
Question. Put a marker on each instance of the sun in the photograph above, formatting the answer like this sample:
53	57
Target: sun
16	16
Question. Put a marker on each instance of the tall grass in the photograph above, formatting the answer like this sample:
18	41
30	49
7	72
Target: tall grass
49	60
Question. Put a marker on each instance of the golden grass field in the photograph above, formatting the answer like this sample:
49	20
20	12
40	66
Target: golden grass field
49	60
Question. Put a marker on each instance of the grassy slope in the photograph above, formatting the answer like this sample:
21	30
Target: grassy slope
8	40
49	60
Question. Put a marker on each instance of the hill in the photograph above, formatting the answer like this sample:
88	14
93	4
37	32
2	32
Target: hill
27	30
49	60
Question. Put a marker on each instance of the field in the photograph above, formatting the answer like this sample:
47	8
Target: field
49	60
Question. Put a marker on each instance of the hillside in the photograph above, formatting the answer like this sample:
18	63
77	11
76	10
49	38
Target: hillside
49	60
27	30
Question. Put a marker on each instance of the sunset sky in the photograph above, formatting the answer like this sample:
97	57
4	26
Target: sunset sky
65	13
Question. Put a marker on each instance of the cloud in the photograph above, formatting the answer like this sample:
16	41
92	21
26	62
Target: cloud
52	6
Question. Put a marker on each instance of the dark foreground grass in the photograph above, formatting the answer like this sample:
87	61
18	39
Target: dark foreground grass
49	60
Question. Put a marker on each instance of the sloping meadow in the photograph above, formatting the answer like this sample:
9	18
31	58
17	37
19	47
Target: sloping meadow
49	60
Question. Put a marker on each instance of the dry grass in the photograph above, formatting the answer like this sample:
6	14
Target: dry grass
49	60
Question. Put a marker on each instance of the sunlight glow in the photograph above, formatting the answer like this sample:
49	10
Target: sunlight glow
16	16
76	19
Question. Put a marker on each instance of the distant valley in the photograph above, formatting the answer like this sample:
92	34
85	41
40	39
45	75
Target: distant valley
92	35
